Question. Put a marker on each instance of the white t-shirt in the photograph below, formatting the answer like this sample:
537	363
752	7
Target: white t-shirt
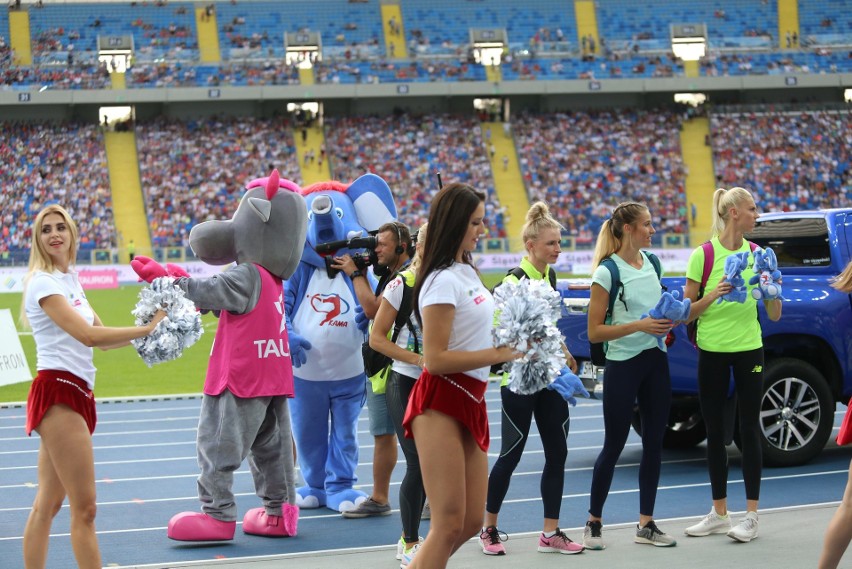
393	294
460	286
55	348
326	318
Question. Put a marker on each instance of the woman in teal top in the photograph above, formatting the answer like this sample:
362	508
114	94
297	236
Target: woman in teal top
729	339
637	369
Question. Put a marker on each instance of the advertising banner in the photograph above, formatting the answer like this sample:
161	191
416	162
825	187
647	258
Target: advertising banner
13	362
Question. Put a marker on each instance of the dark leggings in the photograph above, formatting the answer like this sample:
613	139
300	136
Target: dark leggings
411	492
643	379
551	418
714	372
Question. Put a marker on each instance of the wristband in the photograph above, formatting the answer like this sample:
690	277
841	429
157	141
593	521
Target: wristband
356	273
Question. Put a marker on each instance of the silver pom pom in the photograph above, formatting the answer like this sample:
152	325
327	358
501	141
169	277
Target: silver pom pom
180	329
528	310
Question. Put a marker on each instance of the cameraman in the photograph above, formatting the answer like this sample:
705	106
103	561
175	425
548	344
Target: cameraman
393	252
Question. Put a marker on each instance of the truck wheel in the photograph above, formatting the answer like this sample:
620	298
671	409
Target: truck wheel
685	428
796	412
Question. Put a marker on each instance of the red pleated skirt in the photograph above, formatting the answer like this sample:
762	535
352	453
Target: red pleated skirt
457	395
57	387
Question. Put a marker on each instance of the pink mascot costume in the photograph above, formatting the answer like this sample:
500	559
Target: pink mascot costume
245	410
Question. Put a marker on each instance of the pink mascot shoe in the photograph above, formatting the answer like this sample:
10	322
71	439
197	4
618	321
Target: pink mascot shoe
195	526
258	522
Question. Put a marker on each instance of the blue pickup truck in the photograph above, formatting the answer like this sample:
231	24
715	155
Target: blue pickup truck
808	352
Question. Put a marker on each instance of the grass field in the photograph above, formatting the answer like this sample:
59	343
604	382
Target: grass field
122	373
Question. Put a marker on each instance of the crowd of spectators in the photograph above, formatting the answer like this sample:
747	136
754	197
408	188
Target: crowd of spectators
194	171
156	30
791	160
408	151
52	77
387	71
5	54
584	163
818	61
49	162
177	74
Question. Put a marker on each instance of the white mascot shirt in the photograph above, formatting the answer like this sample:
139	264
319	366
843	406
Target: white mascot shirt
326	318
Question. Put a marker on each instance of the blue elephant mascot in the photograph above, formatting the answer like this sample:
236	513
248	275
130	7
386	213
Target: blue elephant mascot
325	340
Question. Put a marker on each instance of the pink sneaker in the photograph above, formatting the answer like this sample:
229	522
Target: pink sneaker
558	543
490	539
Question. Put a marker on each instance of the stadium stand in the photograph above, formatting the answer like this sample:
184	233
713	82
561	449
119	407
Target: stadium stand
792	160
584	163
825	23
192	171
543	43
49	162
256	29
436	26
408	151
645	25
160	30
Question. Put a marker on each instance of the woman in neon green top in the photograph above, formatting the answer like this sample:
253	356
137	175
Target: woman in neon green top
542	236
729	339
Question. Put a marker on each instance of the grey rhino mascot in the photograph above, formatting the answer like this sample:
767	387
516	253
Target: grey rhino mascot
245	411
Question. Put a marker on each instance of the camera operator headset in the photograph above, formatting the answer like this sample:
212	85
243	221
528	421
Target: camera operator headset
393	253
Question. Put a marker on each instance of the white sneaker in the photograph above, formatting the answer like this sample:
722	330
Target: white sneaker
746	530
408	556
593	536
711	523
400	546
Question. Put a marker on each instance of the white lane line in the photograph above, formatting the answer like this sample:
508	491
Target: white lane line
110	447
114	434
103	463
321	517
494	426
127	422
244	470
147	460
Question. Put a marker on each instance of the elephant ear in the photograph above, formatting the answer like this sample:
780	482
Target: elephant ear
373	201
771	259
732	263
759	260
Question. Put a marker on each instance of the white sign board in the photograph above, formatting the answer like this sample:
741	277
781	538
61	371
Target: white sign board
13	362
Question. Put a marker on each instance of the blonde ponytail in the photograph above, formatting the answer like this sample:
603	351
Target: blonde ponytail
612	230
723	201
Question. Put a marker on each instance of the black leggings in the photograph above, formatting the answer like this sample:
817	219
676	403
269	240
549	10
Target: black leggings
714	372
411	492
551	418
643	379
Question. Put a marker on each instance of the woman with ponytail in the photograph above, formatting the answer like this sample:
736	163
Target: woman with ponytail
542	236
637	369
729	339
